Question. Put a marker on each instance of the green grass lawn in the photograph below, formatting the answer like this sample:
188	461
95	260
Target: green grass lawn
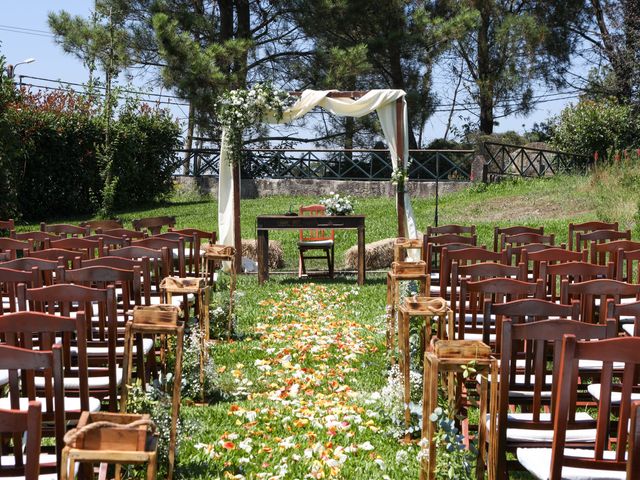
264	333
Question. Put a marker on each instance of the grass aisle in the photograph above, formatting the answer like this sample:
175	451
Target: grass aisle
312	376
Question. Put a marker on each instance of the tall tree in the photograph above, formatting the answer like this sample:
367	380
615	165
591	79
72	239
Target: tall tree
515	45
610	32
359	45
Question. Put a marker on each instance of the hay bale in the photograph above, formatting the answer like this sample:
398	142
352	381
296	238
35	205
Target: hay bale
276	254
377	255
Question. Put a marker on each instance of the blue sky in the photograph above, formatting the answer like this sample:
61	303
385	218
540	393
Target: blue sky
24	33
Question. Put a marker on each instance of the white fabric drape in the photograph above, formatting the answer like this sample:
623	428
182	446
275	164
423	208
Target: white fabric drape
383	102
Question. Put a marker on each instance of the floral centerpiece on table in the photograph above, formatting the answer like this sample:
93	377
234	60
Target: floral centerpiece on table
238	110
337	205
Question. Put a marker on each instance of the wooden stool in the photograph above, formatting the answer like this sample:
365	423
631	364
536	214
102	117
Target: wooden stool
195	286
450	357
220	253
419	307
130	444
402	271
160	323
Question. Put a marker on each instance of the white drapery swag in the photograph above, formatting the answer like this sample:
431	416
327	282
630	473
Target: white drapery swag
383	102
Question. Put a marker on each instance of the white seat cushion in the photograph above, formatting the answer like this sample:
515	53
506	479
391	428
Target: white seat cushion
531	435
4	377
538	462
316	243
597	365
45	459
175	300
73	383
594	391
478	336
629	329
147	345
71	404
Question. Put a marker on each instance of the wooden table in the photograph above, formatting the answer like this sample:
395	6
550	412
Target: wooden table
264	223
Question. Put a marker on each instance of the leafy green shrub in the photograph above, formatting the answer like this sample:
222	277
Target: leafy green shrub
590	127
143	144
53	159
54	167
8	146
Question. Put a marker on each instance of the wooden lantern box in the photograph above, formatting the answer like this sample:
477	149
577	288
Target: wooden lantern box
137	439
462	349
422	304
156	314
409	268
219	250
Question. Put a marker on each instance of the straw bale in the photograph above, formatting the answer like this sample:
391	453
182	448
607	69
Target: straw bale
378	255
276	253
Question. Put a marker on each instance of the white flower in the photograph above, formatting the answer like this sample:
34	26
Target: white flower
366	446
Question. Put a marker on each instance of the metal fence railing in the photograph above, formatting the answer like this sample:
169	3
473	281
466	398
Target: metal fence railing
503	160
340	164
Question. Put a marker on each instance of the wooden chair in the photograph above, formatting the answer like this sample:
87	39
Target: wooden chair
584	241
124	232
37	240
463	256
601	461
50	385
515	253
529	376
594	295
633	460
46	268
154	224
203	238
9	280
91	248
7	225
65	230
100	225
125	264
23	365
603	253
473	294
628	268
159	265
627	315
514	230
175	249
110	241
549	255
68	300
455	229
316	239
519	239
14	247
587	227
527	310
65	258
191	251
17	423
432	250
573	272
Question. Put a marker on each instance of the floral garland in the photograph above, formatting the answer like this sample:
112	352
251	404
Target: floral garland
238	110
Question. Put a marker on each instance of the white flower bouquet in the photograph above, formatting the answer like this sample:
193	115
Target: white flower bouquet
337	205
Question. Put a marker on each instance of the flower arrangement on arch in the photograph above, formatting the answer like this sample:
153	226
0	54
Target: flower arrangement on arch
337	204
238	110
400	175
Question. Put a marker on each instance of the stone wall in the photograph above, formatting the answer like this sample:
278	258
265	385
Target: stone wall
264	187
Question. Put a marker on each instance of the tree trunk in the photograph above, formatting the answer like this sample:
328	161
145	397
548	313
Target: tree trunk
485	80
244	32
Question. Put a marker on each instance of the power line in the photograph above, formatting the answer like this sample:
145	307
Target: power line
35	33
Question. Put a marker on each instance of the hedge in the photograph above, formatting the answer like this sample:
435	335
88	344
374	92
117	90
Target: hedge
51	155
